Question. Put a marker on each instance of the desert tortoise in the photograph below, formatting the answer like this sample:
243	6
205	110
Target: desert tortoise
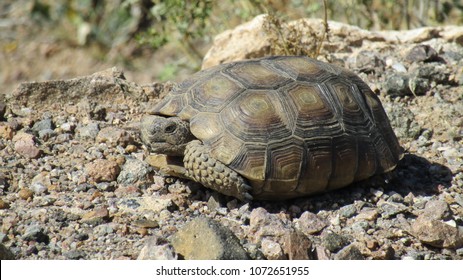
274	128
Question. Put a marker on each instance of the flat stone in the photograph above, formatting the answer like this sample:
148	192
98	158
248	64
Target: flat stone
367	214
206	239
350	252
103	170
309	223
391	209
96	217
437	233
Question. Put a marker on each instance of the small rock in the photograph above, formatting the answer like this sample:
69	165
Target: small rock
2	110
152	251
350	252
24	145
5	253
96	217
272	250
263	224
368	61
334	242
45	124
134	171
309	223
36	233
102	170
206	239
89	132
40	183
386	252
368	214
437	233
6	131
391	209
25	194
296	245
348	211
114	136
46	134
67	127
397	85
4	204
422	53
74	255
436	210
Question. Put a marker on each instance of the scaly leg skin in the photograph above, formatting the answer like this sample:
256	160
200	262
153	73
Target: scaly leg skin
213	174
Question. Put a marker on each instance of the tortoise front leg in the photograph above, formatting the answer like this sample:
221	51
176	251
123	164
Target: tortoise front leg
213	174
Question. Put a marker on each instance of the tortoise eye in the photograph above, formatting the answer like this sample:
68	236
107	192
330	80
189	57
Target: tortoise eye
170	128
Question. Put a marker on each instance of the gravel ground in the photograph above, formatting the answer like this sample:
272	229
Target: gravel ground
75	182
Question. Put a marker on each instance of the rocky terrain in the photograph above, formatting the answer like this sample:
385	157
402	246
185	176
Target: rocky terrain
76	183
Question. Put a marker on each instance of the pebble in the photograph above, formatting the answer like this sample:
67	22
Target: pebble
272	250
309	223
46	124
74	255
4	204
296	245
25	193
5	253
102	170
152	251
114	136
35	233
40	183
421	53
6	131
206	239
350	252
437	233
24	145
96	217
89	131
334	242
368	214
397	85
436	210
263	224
391	209
134	171
348	211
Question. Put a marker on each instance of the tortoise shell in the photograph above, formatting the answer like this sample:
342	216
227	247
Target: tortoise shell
292	126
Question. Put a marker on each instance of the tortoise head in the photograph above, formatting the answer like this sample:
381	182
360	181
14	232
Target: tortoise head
165	135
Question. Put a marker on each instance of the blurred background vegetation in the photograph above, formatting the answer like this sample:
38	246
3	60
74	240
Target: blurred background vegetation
121	30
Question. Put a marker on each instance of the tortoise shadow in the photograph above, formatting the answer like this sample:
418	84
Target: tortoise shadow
413	174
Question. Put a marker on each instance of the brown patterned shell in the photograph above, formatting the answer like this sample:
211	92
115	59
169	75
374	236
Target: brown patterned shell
292	126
